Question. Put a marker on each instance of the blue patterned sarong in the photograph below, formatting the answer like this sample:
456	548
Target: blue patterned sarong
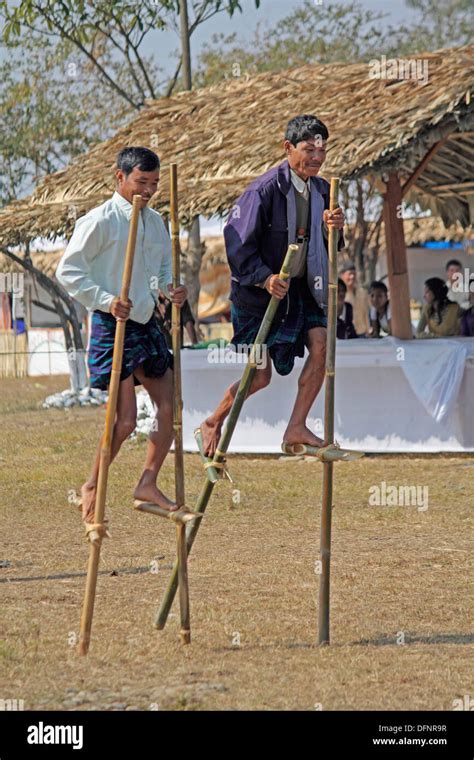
143	345
287	337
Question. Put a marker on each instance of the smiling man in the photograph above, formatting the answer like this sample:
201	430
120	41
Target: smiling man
91	271
288	204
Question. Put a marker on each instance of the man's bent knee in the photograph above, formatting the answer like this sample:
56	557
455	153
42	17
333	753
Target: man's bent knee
125	427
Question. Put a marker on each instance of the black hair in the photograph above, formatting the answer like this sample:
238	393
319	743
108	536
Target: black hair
453	263
341	285
347	268
440	292
130	157
378	285
305	127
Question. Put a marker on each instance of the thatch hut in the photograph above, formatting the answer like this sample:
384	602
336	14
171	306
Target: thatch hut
415	136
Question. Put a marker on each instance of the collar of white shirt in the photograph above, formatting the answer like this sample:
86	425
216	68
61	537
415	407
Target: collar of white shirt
303	186
123	204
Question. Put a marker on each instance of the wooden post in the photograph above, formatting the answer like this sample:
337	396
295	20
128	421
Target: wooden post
185	632
397	259
329	389
226	436
96	536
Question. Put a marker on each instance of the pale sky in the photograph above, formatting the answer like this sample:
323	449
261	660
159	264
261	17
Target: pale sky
244	24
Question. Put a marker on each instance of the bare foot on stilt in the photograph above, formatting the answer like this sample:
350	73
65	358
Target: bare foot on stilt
211	432
301	434
150	493
88	494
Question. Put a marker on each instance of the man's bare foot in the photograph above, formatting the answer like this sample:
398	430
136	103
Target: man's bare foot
151	493
301	434
211	432
88	494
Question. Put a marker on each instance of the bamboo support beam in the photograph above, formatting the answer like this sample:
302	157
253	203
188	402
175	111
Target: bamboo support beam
226	436
99	530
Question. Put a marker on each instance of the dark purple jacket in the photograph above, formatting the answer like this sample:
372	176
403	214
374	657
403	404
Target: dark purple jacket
257	235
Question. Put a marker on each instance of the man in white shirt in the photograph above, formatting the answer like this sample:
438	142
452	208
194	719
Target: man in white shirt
91	271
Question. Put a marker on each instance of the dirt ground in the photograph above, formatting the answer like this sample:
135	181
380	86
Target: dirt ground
402	591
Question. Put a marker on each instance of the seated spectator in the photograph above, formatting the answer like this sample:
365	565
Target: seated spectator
345	326
467	319
358	298
440	317
379	313
457	289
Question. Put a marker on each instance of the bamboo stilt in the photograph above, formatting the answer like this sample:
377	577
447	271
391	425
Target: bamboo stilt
95	546
226	436
178	516
182	558
326	511
211	472
324	454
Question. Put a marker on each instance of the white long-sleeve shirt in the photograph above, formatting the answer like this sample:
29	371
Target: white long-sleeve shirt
92	265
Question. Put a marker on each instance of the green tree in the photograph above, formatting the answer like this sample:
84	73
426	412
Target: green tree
105	39
121	27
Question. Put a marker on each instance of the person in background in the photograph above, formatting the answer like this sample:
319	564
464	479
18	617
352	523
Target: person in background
345	325
457	288
164	316
379	313
440	317
358	298
467	319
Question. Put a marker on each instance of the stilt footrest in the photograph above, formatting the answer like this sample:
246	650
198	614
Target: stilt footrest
324	454
95	532
182	515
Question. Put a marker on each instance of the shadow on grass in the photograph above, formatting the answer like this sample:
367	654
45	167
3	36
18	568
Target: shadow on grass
81	574
383	640
436	638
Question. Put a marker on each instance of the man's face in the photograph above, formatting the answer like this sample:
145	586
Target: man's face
349	278
307	157
138	182
452	270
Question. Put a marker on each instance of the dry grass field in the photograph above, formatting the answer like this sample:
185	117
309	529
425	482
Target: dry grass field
402	591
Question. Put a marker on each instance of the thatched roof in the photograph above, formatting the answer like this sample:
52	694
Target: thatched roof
225	135
45	261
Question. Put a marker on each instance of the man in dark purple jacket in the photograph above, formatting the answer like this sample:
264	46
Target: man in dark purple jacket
288	204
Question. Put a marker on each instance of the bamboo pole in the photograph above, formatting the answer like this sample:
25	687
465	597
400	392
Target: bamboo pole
182	559
326	511
95	536
226	437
